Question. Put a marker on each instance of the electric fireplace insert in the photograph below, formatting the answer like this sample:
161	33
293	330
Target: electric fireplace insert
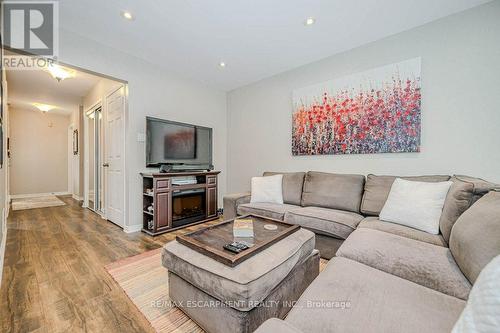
188	206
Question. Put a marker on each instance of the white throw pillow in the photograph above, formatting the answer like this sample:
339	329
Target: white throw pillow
416	204
267	189
482	311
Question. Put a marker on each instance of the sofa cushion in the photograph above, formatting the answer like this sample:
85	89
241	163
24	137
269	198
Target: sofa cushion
246	284
457	201
271	210
377	190
331	190
292	186
351	297
428	265
373	222
475	237
481	186
326	221
231	203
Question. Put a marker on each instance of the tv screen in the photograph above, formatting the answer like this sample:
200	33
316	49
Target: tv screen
169	142
180	142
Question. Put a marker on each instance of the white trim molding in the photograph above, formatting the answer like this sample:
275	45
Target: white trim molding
3	241
86	161
132	228
71	128
34	195
8	199
76	197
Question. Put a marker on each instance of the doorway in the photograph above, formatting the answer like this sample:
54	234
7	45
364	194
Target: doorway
62	127
95	148
114	164
104	136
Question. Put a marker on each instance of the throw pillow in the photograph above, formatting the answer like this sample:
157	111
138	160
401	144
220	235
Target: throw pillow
458	200
416	204
267	189
481	313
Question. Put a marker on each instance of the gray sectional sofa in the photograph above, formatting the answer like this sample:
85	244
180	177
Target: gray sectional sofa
384	277
334	205
310	202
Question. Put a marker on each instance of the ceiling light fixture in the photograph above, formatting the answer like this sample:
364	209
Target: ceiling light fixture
44	107
127	15
309	21
59	73
222	64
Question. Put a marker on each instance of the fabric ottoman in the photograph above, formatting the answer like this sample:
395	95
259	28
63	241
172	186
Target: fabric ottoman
238	299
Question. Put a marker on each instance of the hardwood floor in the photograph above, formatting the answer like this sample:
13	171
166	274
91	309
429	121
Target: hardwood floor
54	278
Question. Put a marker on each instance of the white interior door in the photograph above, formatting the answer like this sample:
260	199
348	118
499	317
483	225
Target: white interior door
114	158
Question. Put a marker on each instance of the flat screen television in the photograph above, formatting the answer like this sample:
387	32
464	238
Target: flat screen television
182	146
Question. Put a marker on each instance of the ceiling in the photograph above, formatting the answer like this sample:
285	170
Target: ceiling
255	38
26	87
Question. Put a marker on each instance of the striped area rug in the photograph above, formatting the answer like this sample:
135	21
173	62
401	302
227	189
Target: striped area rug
145	282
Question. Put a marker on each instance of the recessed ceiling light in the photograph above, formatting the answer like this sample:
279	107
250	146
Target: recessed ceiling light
222	64
310	21
44	107
127	15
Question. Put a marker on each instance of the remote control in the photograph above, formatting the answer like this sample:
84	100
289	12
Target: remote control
236	247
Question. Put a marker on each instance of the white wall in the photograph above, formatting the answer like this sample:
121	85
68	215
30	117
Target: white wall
156	92
39	148
99	92
460	105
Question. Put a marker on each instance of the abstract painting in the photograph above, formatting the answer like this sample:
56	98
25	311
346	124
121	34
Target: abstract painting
376	111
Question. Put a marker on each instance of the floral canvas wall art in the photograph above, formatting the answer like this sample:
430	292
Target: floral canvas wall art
376	111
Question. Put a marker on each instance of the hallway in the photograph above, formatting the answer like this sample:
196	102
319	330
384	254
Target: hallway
54	278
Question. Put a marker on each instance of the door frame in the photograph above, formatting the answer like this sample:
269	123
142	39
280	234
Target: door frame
71	171
86	165
103	105
124	154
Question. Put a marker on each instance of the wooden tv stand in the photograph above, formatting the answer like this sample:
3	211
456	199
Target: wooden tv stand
168	206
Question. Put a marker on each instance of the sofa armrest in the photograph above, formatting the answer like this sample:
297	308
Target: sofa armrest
275	325
231	203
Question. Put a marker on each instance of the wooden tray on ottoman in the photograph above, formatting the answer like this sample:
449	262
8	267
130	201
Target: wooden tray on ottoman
210	241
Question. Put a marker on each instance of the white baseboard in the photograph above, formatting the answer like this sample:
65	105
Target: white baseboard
34	195
132	228
7	207
76	197
3	241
